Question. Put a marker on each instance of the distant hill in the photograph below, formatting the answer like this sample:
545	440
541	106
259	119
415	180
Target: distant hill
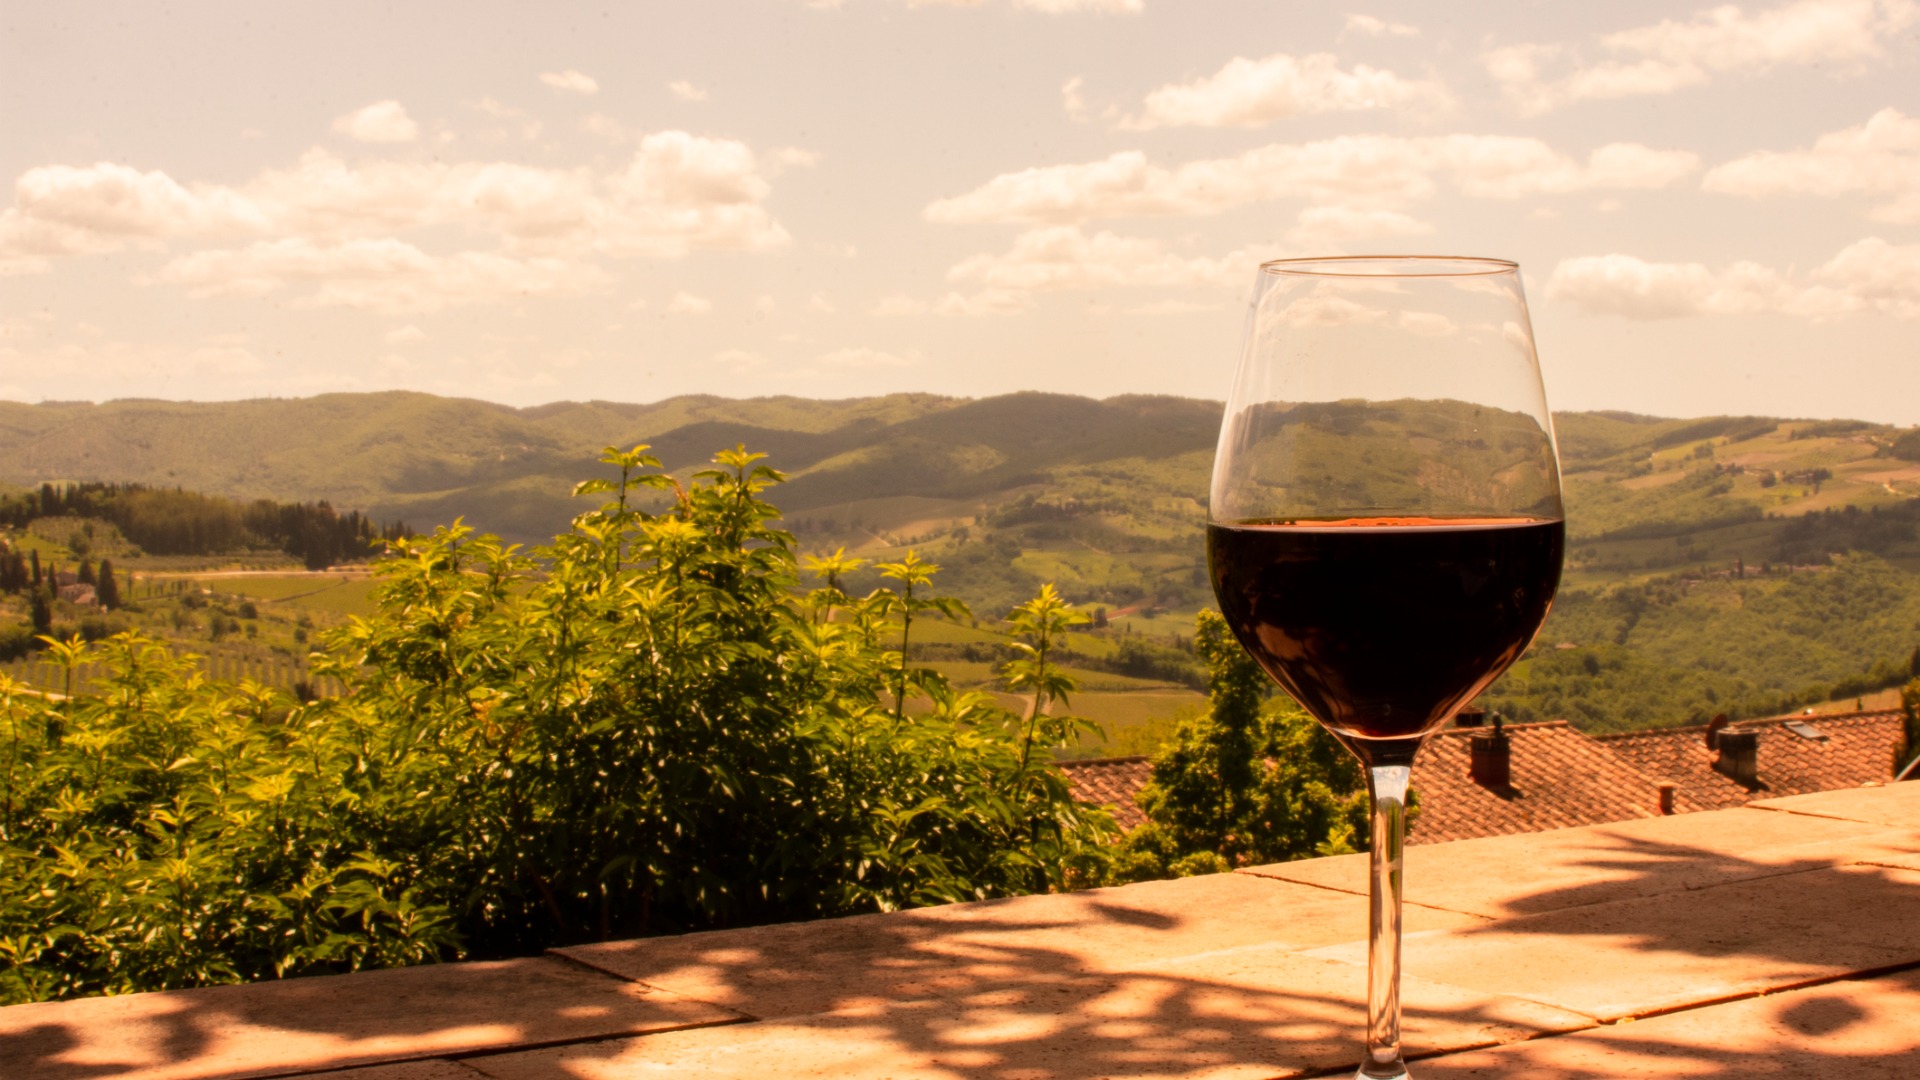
1686	591
1105	497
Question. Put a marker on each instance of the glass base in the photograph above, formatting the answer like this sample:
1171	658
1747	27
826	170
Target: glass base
1392	1070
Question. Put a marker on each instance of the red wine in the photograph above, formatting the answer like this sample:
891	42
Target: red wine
1382	627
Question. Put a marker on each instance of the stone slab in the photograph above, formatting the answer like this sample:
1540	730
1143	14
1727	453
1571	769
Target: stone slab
1861	1030
1243	1014
1505	876
1887	804
431	1069
330	1022
963	949
1638	957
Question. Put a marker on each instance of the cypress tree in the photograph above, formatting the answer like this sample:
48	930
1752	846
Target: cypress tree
106	589
42	609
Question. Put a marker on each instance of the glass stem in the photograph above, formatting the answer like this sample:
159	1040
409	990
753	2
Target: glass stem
1389	787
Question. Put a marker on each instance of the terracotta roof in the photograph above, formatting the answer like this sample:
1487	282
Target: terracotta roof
1560	778
1857	749
1111	782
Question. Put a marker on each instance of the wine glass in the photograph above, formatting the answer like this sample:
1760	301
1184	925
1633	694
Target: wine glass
1385	529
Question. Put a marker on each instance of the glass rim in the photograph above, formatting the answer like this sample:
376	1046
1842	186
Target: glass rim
1391	266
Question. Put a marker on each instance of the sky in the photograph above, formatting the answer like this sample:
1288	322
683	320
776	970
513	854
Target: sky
1716	208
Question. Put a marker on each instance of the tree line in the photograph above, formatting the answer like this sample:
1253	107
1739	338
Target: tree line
173	521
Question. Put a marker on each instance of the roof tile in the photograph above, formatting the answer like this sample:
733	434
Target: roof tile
1562	777
1111	782
1858	749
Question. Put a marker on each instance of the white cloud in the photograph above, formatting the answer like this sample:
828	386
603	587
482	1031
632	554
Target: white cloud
1868	276
606	128
1884	277
820	302
67	210
1064	257
384	275
685	303
1372	26
1373	171
1071	100
1427	323
739	361
1252	93
528	126
686	91
381	122
677	193
1880	157
1725	40
780	159
405	334
571	81
1325	228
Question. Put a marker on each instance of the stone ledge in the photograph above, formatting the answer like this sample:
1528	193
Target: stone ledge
1525	954
328	1022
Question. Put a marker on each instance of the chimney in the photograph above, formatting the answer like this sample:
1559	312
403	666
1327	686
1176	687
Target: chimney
1739	756
1666	796
1714	728
1492	766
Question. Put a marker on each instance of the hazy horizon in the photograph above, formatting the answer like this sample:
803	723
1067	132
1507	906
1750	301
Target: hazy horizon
539	405
1716	207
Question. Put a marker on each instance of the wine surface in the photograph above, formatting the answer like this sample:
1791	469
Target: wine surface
1381	627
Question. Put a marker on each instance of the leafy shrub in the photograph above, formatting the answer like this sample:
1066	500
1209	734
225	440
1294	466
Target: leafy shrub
640	728
1251	780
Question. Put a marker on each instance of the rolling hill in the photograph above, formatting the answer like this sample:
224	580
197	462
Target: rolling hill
1691	541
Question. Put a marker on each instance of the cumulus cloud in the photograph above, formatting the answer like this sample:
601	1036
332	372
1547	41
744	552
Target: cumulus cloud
1327	228
1373	171
1064	257
528	126
380	122
1072	102
382	275
68	210
405	334
676	193
571	81
1372	26
1869	276
1252	93
783	158
1673	54
1879	158
686	91
606	128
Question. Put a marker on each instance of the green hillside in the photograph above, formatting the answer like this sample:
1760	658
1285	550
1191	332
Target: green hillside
1707	526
